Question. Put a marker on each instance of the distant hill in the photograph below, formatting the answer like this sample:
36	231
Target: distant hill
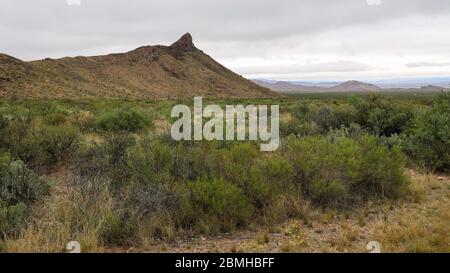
431	88
282	86
348	86
287	86
151	72
355	86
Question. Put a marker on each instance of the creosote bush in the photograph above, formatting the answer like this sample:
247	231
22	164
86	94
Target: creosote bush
223	205
381	117
123	119
429	139
346	171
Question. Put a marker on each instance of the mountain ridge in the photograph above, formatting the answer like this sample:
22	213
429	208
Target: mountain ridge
347	86
149	72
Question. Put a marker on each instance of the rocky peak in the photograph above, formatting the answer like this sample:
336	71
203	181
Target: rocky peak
184	44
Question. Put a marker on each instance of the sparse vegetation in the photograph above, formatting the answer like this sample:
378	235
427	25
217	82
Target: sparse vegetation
123	183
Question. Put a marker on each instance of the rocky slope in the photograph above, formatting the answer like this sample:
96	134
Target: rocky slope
150	72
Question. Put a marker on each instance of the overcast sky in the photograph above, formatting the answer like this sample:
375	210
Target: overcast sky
276	39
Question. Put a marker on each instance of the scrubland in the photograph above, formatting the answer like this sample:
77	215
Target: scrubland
107	174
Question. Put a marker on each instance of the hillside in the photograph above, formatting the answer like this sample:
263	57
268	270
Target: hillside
149	72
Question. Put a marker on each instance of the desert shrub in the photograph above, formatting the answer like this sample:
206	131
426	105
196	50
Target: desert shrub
240	168
395	140
347	170
17	127
3	124
85	120
19	187
297	127
429	140
151	198
56	118
20	184
152	162
344	118
57	141
326	119
46	145
354	130
381	117
119	228
38	144
107	160
221	206
206	159
123	119
11	218
301	111
278	173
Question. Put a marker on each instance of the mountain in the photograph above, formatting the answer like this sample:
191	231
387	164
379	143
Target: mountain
354	86
150	72
431	88
287	86
393	85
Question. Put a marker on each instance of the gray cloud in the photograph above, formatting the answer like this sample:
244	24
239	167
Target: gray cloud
341	66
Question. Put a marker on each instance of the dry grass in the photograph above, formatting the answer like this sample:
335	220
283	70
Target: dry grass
422	226
418	223
65	216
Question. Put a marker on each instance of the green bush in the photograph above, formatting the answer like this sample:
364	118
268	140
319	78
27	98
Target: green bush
326	119
381	117
240	167
46	145
302	111
19	187
107	160
11	218
220	205
37	143
119	229
123	119
20	184
429	140
56	118
298	128
152	162
347	170
57	142
354	130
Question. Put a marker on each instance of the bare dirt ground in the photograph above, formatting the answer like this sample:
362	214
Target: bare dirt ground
419	224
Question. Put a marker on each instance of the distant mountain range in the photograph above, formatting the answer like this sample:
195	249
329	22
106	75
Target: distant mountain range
348	86
148	72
